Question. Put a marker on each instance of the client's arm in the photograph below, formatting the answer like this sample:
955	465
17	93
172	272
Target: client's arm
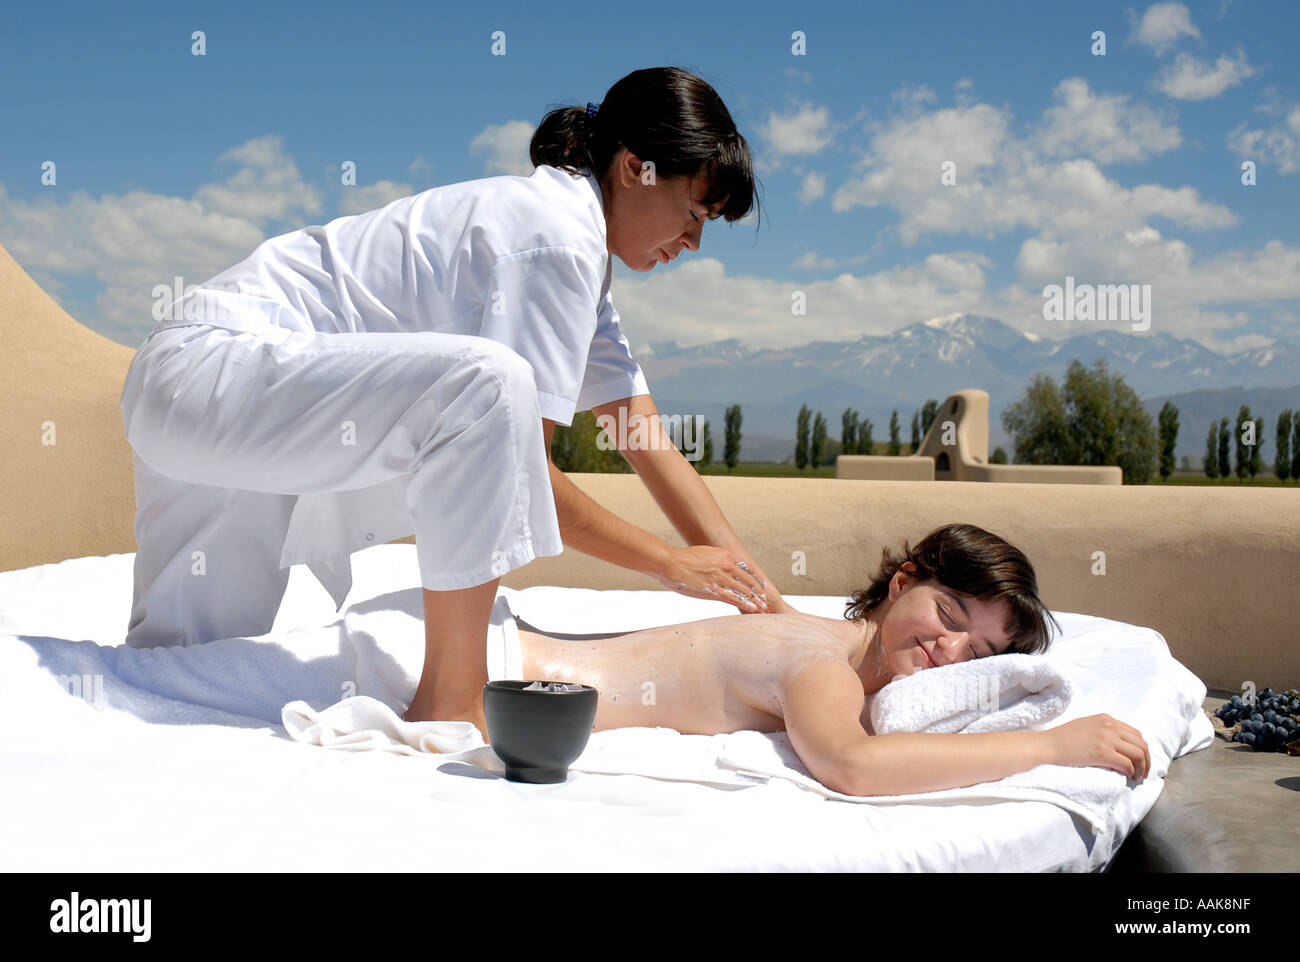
823	710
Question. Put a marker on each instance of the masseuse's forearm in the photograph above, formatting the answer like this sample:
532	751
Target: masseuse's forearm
684	498
591	529
901	763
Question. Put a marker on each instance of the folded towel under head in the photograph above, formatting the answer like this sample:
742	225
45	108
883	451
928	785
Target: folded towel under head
1003	693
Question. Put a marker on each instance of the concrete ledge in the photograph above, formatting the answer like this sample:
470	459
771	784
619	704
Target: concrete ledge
1203	566
1044	474
880	467
1226	808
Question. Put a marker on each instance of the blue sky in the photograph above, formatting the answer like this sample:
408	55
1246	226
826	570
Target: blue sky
1122	168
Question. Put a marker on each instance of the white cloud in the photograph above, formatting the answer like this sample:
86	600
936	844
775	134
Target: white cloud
265	186
1189	78
138	237
1104	126
1003	183
906	159
506	148
1278	145
811	187
1187	293
1083	223
1163	25
420	167
806	130
1242	342
913	97
1049	181
812	261
1270	273
357	200
1270	102
135	241
698	302
953	273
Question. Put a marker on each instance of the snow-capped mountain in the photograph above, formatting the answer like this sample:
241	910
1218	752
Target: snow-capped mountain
930	359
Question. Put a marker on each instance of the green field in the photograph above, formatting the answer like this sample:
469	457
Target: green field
753	469
756	469
1259	481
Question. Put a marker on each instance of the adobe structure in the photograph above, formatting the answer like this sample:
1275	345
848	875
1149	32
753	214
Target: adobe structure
956	448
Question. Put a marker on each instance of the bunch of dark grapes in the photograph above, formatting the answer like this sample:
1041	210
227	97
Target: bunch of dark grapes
1272	724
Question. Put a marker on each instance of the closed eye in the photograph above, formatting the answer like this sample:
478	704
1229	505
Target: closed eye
973	652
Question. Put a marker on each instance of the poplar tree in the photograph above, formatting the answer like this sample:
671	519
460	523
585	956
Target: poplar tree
818	440
848	431
801	438
1225	460
1168	439
731	446
1282	463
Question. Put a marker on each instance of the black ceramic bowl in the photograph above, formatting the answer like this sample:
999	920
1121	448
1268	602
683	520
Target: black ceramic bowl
537	733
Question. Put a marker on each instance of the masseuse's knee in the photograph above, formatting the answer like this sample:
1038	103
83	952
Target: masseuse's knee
503	383
501	362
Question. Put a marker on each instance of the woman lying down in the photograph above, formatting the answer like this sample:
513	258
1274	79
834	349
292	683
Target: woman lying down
961	593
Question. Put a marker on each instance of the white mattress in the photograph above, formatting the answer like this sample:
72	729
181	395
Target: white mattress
89	787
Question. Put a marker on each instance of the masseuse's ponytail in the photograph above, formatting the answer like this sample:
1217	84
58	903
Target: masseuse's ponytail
661	114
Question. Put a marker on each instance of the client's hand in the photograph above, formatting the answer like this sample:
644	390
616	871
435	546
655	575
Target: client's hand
703	571
1101	741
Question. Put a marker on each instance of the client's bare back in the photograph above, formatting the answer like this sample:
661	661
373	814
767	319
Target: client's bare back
701	677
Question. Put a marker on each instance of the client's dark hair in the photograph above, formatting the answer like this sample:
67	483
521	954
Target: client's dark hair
974	563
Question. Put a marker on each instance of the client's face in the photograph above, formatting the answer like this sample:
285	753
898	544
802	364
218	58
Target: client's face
929	625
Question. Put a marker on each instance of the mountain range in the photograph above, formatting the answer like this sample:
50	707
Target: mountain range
876	374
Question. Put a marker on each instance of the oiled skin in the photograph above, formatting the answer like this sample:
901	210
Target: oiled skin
703	677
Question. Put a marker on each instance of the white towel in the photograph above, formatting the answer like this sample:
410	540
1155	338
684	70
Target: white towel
955	698
1004	693
69	696
361	723
993	694
737	760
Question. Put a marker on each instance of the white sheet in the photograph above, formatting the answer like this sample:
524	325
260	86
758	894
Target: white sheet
192	782
1013	692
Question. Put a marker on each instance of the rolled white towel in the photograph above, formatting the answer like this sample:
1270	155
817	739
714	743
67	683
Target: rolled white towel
362	724
1002	693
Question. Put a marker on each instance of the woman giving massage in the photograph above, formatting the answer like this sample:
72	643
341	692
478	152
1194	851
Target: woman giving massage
961	593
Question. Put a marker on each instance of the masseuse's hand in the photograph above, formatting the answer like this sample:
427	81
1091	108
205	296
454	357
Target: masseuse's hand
776	605
703	571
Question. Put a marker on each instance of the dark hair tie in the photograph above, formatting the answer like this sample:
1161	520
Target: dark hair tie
592	110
